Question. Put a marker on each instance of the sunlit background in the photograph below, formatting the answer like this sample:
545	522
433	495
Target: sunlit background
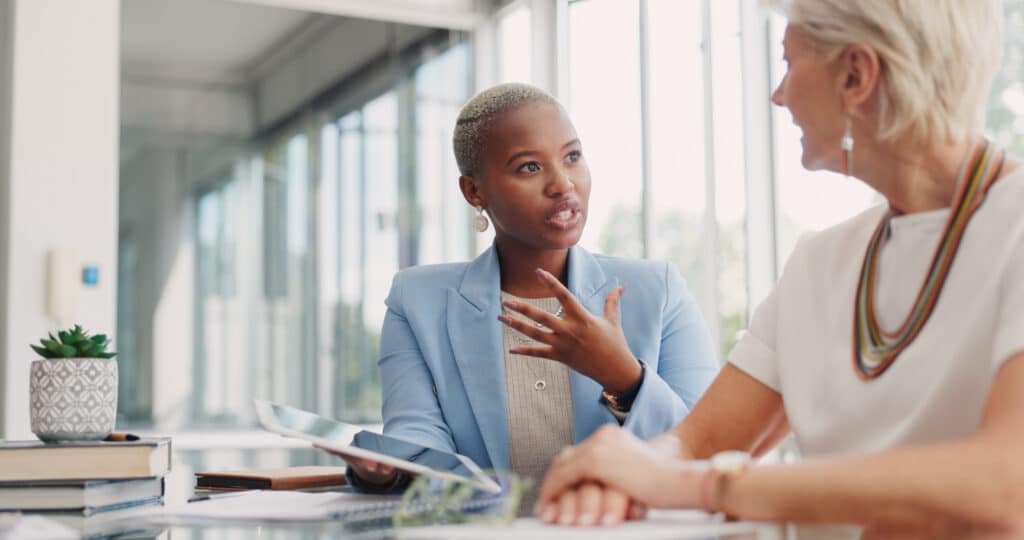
277	167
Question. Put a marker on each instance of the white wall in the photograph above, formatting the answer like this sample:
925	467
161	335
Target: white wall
6	53
62	173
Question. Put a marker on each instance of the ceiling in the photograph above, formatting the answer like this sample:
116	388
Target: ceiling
201	40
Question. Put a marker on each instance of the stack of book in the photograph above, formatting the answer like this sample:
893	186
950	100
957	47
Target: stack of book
78	482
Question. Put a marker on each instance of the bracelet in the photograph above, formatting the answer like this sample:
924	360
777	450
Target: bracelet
623	402
723	467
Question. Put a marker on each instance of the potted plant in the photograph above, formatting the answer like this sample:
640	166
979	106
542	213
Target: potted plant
73	387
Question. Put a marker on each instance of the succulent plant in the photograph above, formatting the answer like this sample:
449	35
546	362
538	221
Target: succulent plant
74	343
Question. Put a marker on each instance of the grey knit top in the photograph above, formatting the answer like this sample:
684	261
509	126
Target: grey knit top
538	399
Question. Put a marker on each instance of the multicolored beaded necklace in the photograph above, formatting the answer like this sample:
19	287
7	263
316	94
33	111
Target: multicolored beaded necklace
874	349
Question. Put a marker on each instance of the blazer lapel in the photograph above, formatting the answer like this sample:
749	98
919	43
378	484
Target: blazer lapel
590	286
476	339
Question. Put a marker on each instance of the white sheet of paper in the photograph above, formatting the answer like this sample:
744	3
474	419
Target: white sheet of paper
266	506
660	524
33	527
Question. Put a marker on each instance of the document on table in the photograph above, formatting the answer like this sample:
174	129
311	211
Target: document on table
660	524
32	527
271	506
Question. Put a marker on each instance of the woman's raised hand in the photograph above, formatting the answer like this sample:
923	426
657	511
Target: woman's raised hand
592	345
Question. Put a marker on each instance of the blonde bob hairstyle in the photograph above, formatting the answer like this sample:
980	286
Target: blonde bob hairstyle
938	57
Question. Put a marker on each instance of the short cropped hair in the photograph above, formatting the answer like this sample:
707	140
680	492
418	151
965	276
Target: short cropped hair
476	119
938	57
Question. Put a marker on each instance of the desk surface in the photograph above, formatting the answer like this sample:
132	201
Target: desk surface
134	524
326	531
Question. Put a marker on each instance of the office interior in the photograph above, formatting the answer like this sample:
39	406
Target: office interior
245	177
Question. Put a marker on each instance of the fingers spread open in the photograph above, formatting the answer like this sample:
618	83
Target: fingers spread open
535	351
611	304
527	329
570	304
534	313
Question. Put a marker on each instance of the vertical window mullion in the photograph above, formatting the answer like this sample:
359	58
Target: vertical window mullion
711	242
646	200
760	170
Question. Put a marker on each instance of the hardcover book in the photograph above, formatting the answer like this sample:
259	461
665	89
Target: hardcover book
92	460
284	478
84	497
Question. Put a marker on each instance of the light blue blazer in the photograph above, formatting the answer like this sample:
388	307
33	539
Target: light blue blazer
442	364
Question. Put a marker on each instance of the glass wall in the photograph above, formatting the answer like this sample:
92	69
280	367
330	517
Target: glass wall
514	39
805	200
659	111
604	102
294	241
1005	116
323	247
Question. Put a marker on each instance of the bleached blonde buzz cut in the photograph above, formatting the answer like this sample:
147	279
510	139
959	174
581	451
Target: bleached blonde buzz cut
473	126
938	57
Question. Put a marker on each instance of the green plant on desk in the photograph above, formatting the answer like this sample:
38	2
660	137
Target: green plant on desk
74	343
73	387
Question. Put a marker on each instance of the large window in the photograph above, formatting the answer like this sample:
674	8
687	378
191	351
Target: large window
296	241
514	44
296	252
604	100
1005	118
806	200
659	111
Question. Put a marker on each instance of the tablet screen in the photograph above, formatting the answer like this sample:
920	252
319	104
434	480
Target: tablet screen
297	422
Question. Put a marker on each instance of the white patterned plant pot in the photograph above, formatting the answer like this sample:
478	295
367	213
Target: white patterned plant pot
73	399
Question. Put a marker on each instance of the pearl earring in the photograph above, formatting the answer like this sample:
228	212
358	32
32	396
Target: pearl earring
847	145
480	222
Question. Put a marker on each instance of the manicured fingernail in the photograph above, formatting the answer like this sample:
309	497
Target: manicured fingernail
587	520
548	516
565	519
609	519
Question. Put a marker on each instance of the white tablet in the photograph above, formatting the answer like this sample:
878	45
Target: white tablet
350	440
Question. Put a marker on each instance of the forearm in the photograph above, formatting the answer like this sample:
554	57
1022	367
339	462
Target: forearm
969	482
736	413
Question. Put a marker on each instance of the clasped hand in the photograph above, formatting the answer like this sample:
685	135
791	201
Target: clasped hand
613	476
594	346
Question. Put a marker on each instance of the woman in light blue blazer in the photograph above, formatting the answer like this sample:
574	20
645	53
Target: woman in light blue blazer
459	369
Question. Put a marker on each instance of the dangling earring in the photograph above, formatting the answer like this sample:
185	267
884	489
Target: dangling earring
847	145
480	222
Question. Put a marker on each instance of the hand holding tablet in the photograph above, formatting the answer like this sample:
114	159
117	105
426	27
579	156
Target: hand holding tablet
373	452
